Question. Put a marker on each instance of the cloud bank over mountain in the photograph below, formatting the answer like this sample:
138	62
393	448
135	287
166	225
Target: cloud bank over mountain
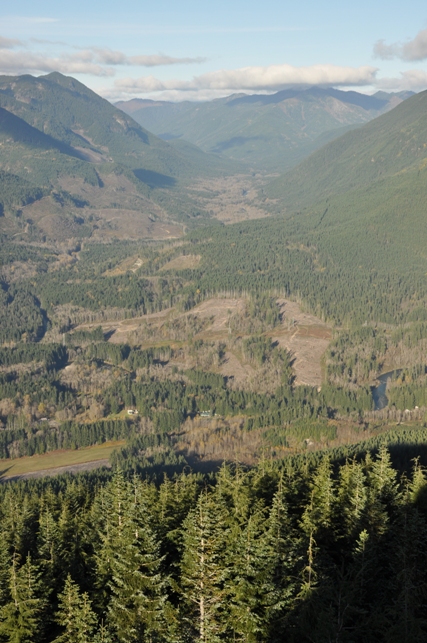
271	78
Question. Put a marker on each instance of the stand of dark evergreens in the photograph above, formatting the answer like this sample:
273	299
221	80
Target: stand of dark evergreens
294	553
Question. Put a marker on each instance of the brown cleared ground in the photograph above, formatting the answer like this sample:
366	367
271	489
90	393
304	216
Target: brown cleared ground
232	367
130	264
304	335
182	263
122	331
131	224
58	460
232	198
137	217
220	308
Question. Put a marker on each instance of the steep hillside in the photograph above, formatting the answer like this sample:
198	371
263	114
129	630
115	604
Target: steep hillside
270	133
88	161
389	146
66	110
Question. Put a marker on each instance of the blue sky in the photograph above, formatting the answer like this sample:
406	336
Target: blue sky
195	50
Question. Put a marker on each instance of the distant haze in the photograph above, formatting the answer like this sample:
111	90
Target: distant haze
269	132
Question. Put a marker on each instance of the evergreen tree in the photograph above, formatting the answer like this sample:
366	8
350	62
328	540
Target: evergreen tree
404	615
351	501
250	589
285	548
383	492
20	618
313	610
4	569
75	615
205	535
48	548
130	564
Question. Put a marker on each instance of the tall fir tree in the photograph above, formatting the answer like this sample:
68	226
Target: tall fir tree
129	564
250	588
21	617
205	538
75	615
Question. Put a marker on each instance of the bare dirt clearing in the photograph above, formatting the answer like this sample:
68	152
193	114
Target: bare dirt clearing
308	349
122	331
184	262
221	310
232	198
304	335
117	211
132	224
130	264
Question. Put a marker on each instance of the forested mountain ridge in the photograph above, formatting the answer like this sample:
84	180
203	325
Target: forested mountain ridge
71	113
389	146
61	141
269	132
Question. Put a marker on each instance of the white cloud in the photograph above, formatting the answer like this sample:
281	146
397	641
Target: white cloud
110	57
8	43
413	79
161	59
410	51
271	78
21	62
384	51
92	60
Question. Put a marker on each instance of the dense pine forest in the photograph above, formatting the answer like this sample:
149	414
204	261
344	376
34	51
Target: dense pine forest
307	551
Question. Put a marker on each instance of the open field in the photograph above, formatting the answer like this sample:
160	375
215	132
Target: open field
64	460
184	262
130	264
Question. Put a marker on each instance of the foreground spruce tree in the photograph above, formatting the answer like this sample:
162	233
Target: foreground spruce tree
21	617
205	535
129	564
75	615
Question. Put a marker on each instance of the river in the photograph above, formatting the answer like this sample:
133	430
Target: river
378	392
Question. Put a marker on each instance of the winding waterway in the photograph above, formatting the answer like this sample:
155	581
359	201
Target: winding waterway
378	392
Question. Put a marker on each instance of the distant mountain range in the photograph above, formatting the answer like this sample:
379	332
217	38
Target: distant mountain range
269	132
72	165
61	142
